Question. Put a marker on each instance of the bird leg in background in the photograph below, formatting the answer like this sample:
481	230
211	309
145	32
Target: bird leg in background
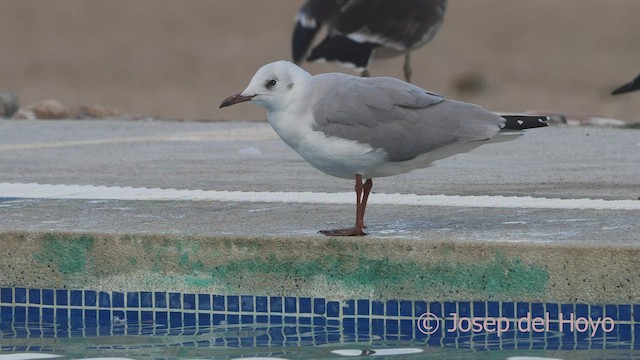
407	66
362	195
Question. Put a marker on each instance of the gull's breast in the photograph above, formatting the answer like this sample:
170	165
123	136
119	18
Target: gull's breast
340	157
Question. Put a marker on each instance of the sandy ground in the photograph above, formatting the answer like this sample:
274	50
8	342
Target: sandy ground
179	59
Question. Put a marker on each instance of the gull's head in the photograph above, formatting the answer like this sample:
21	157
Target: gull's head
274	86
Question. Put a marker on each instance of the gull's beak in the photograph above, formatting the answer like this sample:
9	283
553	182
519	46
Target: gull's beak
234	99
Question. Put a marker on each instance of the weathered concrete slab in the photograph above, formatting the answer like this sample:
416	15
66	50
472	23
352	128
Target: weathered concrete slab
413	252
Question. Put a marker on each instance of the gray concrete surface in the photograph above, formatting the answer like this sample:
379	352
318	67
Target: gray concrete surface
555	162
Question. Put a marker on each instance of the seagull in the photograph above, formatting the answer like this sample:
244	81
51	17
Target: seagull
628	87
363	128
359	30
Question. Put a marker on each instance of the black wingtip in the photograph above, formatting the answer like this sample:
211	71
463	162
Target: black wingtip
522	122
301	41
344	50
629	87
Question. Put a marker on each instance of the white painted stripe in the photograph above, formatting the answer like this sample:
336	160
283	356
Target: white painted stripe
90	192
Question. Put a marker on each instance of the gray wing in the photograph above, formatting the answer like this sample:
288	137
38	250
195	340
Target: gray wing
400	118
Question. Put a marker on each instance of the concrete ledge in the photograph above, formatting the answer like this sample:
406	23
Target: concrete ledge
374	268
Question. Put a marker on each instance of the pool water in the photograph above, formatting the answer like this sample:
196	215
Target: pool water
293	341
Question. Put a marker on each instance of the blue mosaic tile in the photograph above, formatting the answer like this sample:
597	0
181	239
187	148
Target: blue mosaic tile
160	300
175	301
218	319
48	297
262	319
304	304
436	309
333	309
419	308
75	316
275	319
34	296
62	315
90	298
319	321
146	316
175	319
406	308
508	310
262	304
189	301
407	327
392	326
624	312
319	307
377	307
233	303
464	309
104	300
275	304
204	302
596	311
104	317
48	315
233	319
582	310
636	313
537	310
493	308
290	320
117	299
479	309
392	308
132	316
33	314
20	296
623	332
189	319
522	309
218	303
62	297
133	300
146	299
246	319
363	307
246	303
290	305
552	309
75	298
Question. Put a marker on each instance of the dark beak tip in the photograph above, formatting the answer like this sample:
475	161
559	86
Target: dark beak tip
235	99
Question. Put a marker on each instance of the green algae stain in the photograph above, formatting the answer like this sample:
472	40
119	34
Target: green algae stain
67	253
500	275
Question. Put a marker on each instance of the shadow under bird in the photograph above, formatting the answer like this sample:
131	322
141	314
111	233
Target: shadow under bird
628	87
363	128
361	30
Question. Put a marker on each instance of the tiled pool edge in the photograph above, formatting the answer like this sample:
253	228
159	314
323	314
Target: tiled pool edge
313	290
303	321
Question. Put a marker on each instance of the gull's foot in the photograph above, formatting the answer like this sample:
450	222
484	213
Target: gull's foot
353	231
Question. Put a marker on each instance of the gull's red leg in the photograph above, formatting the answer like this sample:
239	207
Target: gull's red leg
356	230
367	189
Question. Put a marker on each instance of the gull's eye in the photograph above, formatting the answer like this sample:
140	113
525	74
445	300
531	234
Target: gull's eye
271	83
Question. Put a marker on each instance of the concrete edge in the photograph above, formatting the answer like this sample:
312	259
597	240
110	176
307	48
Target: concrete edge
333	268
